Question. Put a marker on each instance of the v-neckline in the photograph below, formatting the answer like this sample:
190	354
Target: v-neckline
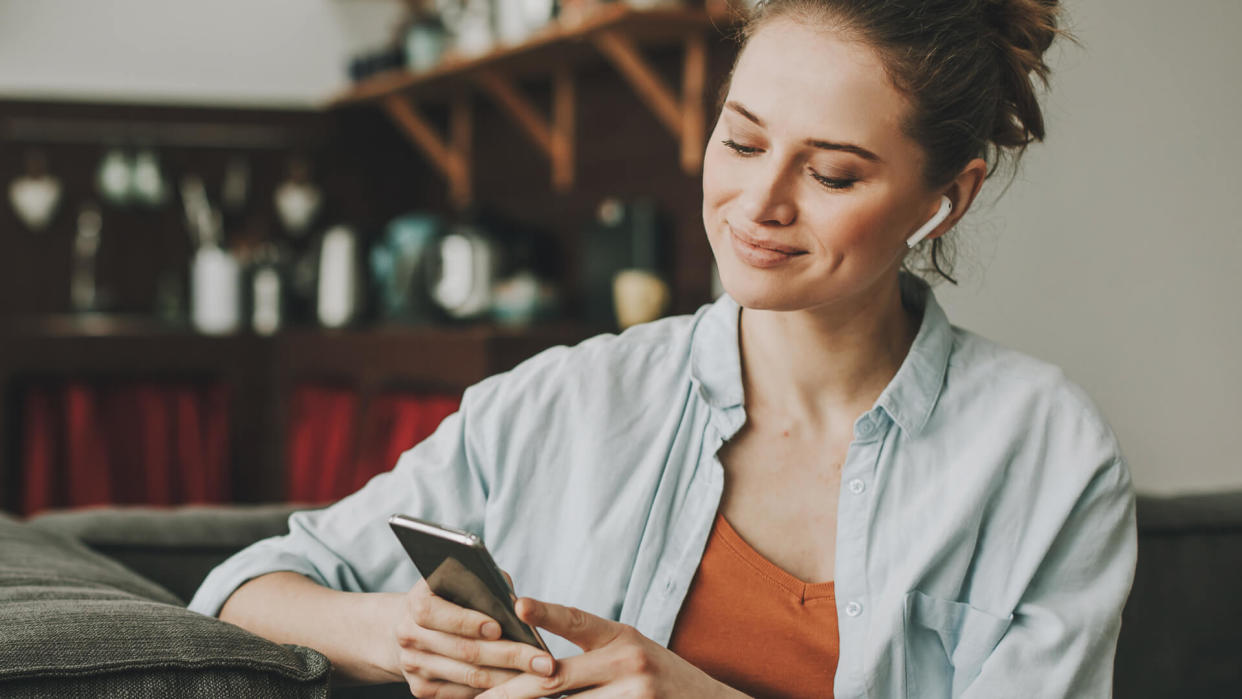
800	589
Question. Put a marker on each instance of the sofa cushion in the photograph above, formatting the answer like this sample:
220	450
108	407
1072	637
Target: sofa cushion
73	623
173	546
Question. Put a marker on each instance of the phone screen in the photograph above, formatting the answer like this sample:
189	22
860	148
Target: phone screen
458	568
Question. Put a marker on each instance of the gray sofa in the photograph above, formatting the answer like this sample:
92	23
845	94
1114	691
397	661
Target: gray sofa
92	604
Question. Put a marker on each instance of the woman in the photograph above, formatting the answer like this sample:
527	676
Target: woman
815	485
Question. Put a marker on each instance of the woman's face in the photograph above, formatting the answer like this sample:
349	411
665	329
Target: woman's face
810	188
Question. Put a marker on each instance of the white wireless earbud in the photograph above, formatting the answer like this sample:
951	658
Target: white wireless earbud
946	205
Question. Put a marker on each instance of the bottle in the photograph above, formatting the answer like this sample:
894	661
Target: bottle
266	293
215	281
82	289
214	290
338	297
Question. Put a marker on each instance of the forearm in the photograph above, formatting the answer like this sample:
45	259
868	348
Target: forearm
354	630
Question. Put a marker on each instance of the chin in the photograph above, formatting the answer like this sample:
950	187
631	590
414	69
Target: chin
763	291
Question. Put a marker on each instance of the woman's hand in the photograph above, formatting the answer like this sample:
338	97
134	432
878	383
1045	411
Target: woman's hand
450	652
618	662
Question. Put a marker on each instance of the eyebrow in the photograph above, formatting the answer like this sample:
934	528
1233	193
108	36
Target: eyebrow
813	142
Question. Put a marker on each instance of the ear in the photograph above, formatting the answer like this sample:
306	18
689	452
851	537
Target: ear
962	192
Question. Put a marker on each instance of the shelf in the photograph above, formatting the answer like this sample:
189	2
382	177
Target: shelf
616	32
540	53
389	356
452	357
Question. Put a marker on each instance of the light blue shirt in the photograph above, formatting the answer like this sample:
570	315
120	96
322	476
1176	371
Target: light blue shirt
985	533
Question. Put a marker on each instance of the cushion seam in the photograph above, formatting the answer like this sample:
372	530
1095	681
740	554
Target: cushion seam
118	667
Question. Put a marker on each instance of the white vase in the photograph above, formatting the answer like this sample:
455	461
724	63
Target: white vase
338	278
638	296
215	291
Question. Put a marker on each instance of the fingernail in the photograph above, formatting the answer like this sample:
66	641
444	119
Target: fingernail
491	630
542	665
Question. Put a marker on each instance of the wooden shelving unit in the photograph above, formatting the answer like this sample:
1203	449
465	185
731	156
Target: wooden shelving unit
662	58
617	33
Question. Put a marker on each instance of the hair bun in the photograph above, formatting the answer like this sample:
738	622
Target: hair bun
1028	24
1023	31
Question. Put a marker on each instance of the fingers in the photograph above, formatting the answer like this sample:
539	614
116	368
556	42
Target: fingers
449	652
492	654
584	630
435	689
439	668
576	673
432	612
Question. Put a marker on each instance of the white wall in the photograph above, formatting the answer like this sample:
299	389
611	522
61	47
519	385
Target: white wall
215	52
1118	252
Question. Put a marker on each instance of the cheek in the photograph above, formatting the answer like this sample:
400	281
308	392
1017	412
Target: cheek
713	176
865	220
855	227
715	190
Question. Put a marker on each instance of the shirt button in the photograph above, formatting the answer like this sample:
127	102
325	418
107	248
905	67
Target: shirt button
865	429
853	609
857	486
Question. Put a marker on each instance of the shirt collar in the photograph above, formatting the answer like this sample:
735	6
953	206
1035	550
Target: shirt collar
715	355
912	394
715	358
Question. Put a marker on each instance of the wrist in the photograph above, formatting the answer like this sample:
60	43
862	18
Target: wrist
384	611
366	651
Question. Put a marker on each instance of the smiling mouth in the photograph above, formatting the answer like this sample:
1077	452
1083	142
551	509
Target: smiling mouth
766	246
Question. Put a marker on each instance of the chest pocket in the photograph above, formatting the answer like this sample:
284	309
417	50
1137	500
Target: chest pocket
946	643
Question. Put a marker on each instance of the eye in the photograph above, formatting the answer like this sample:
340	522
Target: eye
833	182
739	148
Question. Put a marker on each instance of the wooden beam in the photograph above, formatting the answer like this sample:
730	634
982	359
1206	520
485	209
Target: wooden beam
411	122
451	159
563	130
651	88
517	106
693	113
461	124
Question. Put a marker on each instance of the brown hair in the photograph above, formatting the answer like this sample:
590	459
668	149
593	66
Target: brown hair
965	65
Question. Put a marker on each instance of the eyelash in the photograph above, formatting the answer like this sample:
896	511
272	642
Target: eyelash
829	182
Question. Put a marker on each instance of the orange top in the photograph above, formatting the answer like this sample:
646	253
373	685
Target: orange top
755	627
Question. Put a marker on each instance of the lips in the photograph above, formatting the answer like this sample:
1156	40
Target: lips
759	253
769	245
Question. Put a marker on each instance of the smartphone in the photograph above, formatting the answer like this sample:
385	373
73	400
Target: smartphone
457	567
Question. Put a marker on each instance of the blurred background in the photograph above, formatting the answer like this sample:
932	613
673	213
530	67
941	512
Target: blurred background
252	250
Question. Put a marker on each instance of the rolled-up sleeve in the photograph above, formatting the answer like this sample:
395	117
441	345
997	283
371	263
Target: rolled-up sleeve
348	546
1063	637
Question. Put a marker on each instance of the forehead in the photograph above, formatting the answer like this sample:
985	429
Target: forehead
812	83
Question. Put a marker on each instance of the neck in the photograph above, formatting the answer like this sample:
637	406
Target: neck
828	364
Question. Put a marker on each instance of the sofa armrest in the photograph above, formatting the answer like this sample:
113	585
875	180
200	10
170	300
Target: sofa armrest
1181	631
175	547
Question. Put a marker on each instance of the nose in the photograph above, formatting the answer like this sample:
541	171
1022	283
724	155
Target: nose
767	197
